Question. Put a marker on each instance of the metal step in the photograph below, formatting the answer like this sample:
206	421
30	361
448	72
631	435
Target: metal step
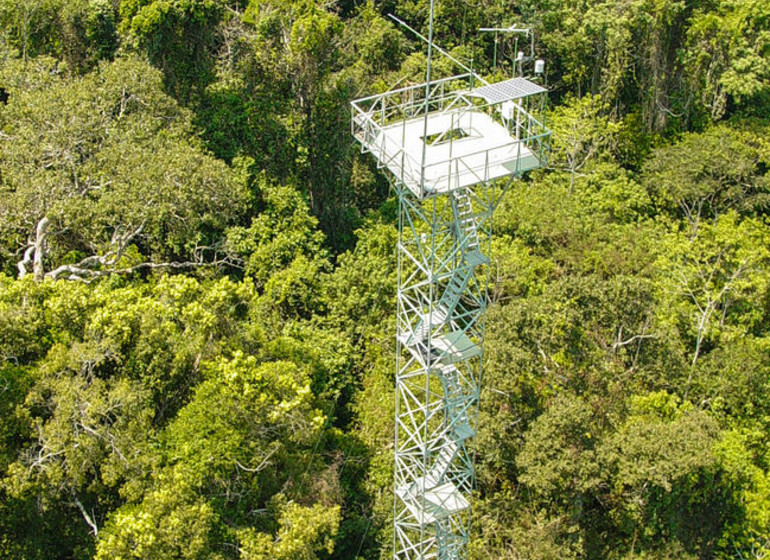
443	459
451	547
438	470
430	321
450	298
456	400
455	347
463	431
450	544
422	515
447	500
467	229
476	258
437	504
455	288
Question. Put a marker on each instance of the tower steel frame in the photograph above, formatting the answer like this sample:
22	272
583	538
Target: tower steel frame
475	143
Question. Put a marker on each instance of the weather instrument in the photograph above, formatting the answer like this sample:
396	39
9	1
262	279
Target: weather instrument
521	58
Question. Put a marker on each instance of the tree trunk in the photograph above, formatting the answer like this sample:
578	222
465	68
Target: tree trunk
38	267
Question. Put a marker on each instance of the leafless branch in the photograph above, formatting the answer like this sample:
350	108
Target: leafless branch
89	518
620	343
260	467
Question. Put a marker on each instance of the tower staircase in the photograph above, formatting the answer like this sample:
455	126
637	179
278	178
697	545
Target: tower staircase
441	345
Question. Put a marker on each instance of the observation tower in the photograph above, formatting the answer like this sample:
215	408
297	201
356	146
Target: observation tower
450	149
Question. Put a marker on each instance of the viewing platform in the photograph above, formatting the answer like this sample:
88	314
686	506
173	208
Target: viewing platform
471	135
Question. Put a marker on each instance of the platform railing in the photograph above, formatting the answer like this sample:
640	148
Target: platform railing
409	101
408	171
372	114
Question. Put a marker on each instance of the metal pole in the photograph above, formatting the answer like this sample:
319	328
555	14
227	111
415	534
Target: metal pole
427	100
494	58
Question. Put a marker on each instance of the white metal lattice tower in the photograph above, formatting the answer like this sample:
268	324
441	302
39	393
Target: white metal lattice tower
450	151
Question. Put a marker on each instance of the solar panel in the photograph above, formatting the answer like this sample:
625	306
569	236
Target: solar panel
515	88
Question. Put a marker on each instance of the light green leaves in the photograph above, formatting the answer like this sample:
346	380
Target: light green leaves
714	280
558	458
303	532
727	53
706	174
283	231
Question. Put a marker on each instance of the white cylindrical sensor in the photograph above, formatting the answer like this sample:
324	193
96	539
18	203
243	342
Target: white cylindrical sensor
539	66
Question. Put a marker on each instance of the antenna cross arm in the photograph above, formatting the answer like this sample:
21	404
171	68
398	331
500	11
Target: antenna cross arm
439	49
511	29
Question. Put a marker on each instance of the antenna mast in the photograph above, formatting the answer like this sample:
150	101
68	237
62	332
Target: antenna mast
439	49
427	92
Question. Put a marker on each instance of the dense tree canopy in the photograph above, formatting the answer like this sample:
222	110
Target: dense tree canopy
198	277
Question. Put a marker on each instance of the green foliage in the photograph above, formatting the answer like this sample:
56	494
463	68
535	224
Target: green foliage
741	452
658	459
82	32
15	382
581	132
246	411
626	52
303	532
178	36
733	378
89	32
119	422
107	161
361	293
714	281
612	364
29	26
376	45
90	433
558	459
704	175
283	231
727	55
217	471
171	522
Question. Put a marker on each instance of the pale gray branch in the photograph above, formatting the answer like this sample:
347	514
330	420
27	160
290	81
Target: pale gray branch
259	467
89	518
